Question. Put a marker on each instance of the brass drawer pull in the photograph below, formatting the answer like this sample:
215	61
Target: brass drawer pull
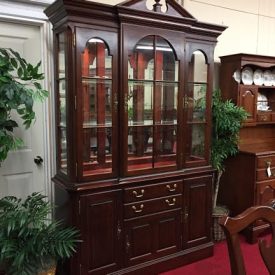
268	169
171	203
135	193
138	210
171	188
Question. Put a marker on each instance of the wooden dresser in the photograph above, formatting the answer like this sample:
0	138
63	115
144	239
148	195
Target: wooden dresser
249	177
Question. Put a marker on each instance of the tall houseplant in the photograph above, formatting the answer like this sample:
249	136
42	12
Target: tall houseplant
29	241
227	119
19	88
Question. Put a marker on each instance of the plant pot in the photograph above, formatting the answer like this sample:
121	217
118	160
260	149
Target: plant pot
48	271
218	234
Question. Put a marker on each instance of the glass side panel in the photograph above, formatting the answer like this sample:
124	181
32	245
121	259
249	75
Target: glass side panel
61	105
196	102
196	142
61	55
198	69
97	108
152	101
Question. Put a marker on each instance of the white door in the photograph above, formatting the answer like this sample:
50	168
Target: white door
19	174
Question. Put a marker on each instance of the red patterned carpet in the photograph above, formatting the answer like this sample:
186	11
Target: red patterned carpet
219	263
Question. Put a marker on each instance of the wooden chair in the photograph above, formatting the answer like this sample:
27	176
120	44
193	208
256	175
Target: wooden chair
232	226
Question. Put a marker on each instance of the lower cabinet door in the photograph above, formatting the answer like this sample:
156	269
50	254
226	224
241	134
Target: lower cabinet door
153	236
101	232
197	211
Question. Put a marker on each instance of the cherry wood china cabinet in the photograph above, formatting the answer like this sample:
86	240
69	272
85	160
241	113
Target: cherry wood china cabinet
249	178
133	87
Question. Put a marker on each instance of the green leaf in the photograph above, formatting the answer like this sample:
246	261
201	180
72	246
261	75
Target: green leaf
14	62
4	79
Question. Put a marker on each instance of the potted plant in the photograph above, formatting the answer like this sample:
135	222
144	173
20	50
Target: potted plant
29	241
227	120
19	88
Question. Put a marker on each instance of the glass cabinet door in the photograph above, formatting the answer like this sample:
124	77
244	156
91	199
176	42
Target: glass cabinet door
97	97
61	81
151	103
195	102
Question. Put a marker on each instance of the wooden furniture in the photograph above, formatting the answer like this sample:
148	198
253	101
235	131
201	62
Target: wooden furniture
249	179
233	226
133	125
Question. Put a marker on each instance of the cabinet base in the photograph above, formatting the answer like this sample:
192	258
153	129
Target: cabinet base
163	264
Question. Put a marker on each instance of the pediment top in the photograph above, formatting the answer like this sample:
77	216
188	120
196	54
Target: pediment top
165	7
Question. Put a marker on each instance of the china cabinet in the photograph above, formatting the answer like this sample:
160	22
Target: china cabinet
249	80
133	87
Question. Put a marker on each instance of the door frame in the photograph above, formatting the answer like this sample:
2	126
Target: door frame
11	12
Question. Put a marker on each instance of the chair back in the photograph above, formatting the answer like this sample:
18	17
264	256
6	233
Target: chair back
232	226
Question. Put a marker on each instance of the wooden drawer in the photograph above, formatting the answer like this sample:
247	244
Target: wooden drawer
265	161
262	174
264	117
137	209
152	191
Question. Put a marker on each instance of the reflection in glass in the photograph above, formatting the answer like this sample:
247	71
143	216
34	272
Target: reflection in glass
140	103
141	62
61	55
166	147
166	64
97	155
198	69
92	88
152	101
196	145
166	102
97	107
62	112
196	102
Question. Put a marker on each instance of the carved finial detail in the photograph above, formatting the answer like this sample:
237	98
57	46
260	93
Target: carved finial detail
157	6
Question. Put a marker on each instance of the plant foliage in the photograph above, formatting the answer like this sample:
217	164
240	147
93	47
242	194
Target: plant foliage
28	239
227	120
19	88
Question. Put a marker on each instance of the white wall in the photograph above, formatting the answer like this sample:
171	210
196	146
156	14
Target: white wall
251	24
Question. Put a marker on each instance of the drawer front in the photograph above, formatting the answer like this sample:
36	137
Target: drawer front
264	117
141	208
266	161
152	191
262	174
265	191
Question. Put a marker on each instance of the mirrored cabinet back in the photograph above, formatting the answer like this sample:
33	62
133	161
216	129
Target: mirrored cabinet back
133	88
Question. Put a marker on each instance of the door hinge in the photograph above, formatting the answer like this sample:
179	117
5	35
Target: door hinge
79	207
80	267
74	39
75	101
76	169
